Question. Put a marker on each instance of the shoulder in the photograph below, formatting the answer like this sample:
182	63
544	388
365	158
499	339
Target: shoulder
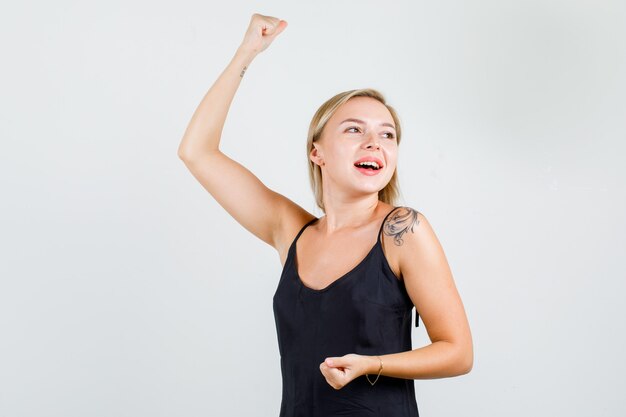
410	239
400	221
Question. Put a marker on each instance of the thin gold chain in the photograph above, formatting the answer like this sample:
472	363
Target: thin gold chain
377	376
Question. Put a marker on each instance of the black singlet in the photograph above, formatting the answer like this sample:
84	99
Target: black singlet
366	311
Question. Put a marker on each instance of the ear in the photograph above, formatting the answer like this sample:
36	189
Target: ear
316	156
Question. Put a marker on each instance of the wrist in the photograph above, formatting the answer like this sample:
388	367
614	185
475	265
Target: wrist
372	365
246	53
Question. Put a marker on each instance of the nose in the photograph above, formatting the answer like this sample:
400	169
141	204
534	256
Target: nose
372	142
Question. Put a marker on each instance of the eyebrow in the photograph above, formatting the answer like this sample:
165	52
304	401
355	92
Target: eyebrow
362	122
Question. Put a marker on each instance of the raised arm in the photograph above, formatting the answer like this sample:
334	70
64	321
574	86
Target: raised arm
265	213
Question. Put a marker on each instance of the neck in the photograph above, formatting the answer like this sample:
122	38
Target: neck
346	213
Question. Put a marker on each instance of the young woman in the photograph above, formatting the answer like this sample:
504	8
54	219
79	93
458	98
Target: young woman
352	277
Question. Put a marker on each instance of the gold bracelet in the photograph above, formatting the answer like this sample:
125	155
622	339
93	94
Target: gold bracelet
377	376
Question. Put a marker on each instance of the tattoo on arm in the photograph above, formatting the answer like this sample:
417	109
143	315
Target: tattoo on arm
243	71
400	222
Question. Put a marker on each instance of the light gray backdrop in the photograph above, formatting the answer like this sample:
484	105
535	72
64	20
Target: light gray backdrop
127	291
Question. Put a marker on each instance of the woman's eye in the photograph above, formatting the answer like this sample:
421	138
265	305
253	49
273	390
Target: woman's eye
355	129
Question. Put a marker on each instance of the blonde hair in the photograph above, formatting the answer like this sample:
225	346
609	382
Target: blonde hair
391	192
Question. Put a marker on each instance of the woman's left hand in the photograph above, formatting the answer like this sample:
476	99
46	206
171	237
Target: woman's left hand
340	371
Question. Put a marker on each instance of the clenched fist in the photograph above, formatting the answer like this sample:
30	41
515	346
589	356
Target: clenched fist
261	32
340	371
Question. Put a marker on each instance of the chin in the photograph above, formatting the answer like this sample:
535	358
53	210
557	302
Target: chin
372	188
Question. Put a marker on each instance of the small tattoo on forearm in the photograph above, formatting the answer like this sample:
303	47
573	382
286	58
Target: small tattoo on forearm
243	71
401	222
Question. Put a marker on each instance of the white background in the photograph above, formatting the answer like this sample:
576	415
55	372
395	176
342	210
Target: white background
126	290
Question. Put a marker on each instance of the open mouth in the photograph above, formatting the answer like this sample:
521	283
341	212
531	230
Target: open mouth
373	165
369	165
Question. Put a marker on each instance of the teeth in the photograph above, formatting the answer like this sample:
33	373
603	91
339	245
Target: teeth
369	163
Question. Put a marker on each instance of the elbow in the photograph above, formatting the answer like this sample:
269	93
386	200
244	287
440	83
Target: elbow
185	150
467	366
461	359
182	154
466	361
190	155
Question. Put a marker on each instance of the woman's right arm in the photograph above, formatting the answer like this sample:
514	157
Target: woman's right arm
265	213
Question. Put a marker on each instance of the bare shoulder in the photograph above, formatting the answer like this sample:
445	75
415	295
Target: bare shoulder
401	221
412	236
292	217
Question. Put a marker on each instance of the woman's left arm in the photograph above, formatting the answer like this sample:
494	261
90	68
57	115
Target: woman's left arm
428	280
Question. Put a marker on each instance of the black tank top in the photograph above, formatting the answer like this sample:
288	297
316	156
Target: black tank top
366	311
